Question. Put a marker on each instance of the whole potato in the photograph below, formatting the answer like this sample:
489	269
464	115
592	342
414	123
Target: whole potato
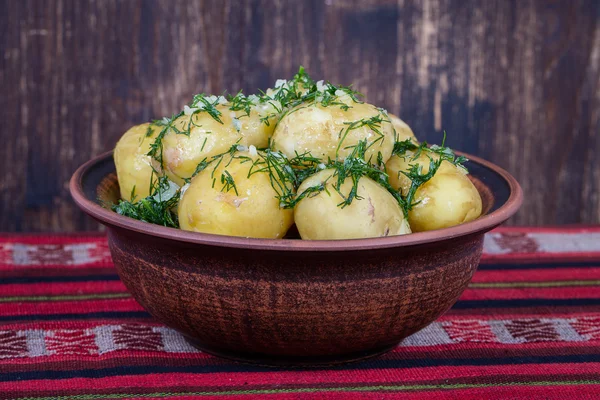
375	214
248	209
449	198
403	131
133	165
331	132
208	138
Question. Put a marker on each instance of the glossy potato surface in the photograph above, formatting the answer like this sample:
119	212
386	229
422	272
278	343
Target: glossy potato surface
447	199
376	214
403	131
208	137
324	132
251	212
133	165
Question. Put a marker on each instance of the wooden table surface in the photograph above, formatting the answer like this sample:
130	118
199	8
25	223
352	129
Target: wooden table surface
516	82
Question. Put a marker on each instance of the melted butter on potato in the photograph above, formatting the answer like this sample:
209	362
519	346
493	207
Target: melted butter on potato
449	198
253	211
133	165
319	130
403	131
375	214
208	138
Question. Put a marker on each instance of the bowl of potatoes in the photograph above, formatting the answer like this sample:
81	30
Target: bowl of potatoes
297	226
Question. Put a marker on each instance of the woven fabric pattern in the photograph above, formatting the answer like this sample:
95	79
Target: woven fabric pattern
527	327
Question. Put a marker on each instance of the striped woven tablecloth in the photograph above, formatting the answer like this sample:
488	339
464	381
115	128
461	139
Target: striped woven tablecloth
527	327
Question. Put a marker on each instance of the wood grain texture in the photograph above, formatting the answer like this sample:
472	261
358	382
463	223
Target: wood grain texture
516	82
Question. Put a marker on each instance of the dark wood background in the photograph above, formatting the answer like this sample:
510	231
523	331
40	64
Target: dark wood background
516	82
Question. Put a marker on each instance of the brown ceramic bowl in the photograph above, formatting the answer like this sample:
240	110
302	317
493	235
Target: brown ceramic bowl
289	301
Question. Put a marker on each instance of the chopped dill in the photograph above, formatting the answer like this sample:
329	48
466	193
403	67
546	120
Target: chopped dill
228	183
239	102
156	147
415	172
156	208
374	123
202	102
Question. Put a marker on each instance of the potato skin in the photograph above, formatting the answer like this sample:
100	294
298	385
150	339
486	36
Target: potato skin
403	131
253	212
208	138
377	214
318	130
133	165
447	199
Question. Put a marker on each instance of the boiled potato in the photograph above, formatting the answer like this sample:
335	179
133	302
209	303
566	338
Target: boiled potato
320	130
403	131
250	209
208	138
134	166
447	199
375	214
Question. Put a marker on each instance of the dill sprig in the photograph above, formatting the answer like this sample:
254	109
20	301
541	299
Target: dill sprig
418	178
373	123
353	167
202	102
282	176
415	172
302	89
165	125
240	102
156	208
228	183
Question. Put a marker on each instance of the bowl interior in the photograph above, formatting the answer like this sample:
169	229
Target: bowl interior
95	187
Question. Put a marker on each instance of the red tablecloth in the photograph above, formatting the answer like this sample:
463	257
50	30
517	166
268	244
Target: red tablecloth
527	327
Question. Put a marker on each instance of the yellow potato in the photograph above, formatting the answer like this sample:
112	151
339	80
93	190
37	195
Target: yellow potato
250	209
447	199
208	138
403	131
320	131
376	214
134	166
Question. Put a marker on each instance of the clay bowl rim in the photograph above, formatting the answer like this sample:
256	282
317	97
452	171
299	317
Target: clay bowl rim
480	225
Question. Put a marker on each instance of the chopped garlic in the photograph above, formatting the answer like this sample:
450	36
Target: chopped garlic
236	124
262	108
266	109
252	151
280	82
241	148
189	110
183	189
342	95
321	166
321	87
166	194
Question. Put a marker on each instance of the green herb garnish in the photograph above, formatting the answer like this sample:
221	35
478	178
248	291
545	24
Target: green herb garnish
156	208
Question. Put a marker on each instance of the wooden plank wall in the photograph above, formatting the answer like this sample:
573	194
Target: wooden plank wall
516	82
